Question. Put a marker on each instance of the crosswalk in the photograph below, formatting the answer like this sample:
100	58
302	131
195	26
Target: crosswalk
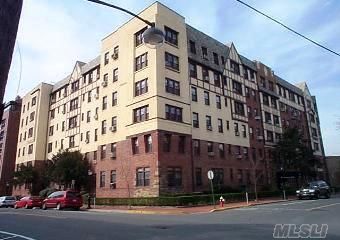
13	236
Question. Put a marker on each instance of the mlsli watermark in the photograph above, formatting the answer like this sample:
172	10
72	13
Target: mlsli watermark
300	231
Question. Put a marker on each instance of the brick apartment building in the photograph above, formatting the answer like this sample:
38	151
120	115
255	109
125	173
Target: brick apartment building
9	128
154	121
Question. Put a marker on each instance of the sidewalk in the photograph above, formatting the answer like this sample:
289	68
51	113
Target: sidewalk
181	210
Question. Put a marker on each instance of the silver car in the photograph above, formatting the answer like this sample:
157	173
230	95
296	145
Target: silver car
7	201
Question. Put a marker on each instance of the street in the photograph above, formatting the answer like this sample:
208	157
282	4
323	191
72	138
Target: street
244	223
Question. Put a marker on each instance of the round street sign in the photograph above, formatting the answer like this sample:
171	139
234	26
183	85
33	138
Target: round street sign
210	175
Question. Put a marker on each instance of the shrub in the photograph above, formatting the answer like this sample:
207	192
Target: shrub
47	191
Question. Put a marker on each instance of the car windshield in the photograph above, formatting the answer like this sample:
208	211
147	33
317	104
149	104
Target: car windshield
72	194
9	198
310	185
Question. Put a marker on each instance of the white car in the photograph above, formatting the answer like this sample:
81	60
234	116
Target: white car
7	201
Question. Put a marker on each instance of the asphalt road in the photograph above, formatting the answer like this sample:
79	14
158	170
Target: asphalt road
245	223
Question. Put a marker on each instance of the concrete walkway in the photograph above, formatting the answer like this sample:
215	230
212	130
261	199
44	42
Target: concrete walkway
180	209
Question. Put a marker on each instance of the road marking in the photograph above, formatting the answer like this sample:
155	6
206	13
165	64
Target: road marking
297	202
324	206
13	235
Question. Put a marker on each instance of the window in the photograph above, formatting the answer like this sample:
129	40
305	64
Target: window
215	58
113	181
226	102
245	73
104	127
171	36
265	98
30	149
195	120
276	120
71	142
221	150
141	87
30	132
196	147
115	74
228	125
208	122
171	61
52	114
192	47
206	98
167	143
262	82
192	70
205	53
173	113
102	179
91	77
237	87
139	37
141	114
88	116
236	129
270	137
143	176
114	124
220	125
316	147
198	176
49	147
75	86
274	104
172	86
271	85
244	131
148	143
102	151
218	101
34	101
104	103
217	80
181	144
89	95
218	176
174	177
247	92
210	147
141	61
235	67
73	104
239	108
268	117
205	74
106	58
96	134
94	155
194	94
135	145
114	98
72	122
87	136
116	52
50	132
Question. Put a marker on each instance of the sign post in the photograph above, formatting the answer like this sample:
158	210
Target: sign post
211	177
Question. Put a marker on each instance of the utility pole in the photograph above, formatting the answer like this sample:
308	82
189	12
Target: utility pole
10	11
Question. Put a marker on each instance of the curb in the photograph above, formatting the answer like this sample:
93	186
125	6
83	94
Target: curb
250	205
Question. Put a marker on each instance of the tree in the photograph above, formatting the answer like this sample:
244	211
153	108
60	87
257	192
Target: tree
70	166
29	176
256	174
293	154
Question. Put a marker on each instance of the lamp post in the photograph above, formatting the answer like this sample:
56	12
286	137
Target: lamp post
152	37
7	188
89	173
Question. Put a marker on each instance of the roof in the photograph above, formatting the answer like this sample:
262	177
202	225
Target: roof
61	83
247	62
288	85
90	65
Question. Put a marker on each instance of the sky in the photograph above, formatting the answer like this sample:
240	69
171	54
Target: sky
53	35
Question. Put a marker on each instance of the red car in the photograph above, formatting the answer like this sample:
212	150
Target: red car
63	199
29	202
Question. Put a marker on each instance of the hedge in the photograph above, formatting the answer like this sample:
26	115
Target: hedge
186	200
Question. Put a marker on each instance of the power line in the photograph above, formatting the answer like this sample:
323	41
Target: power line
290	29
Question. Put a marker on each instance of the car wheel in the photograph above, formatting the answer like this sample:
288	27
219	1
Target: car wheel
327	195
26	206
43	207
59	207
16	206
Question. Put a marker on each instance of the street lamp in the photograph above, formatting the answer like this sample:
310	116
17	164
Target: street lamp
152	37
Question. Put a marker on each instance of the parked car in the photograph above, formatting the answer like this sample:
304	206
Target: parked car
63	199
7	201
29	202
315	190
